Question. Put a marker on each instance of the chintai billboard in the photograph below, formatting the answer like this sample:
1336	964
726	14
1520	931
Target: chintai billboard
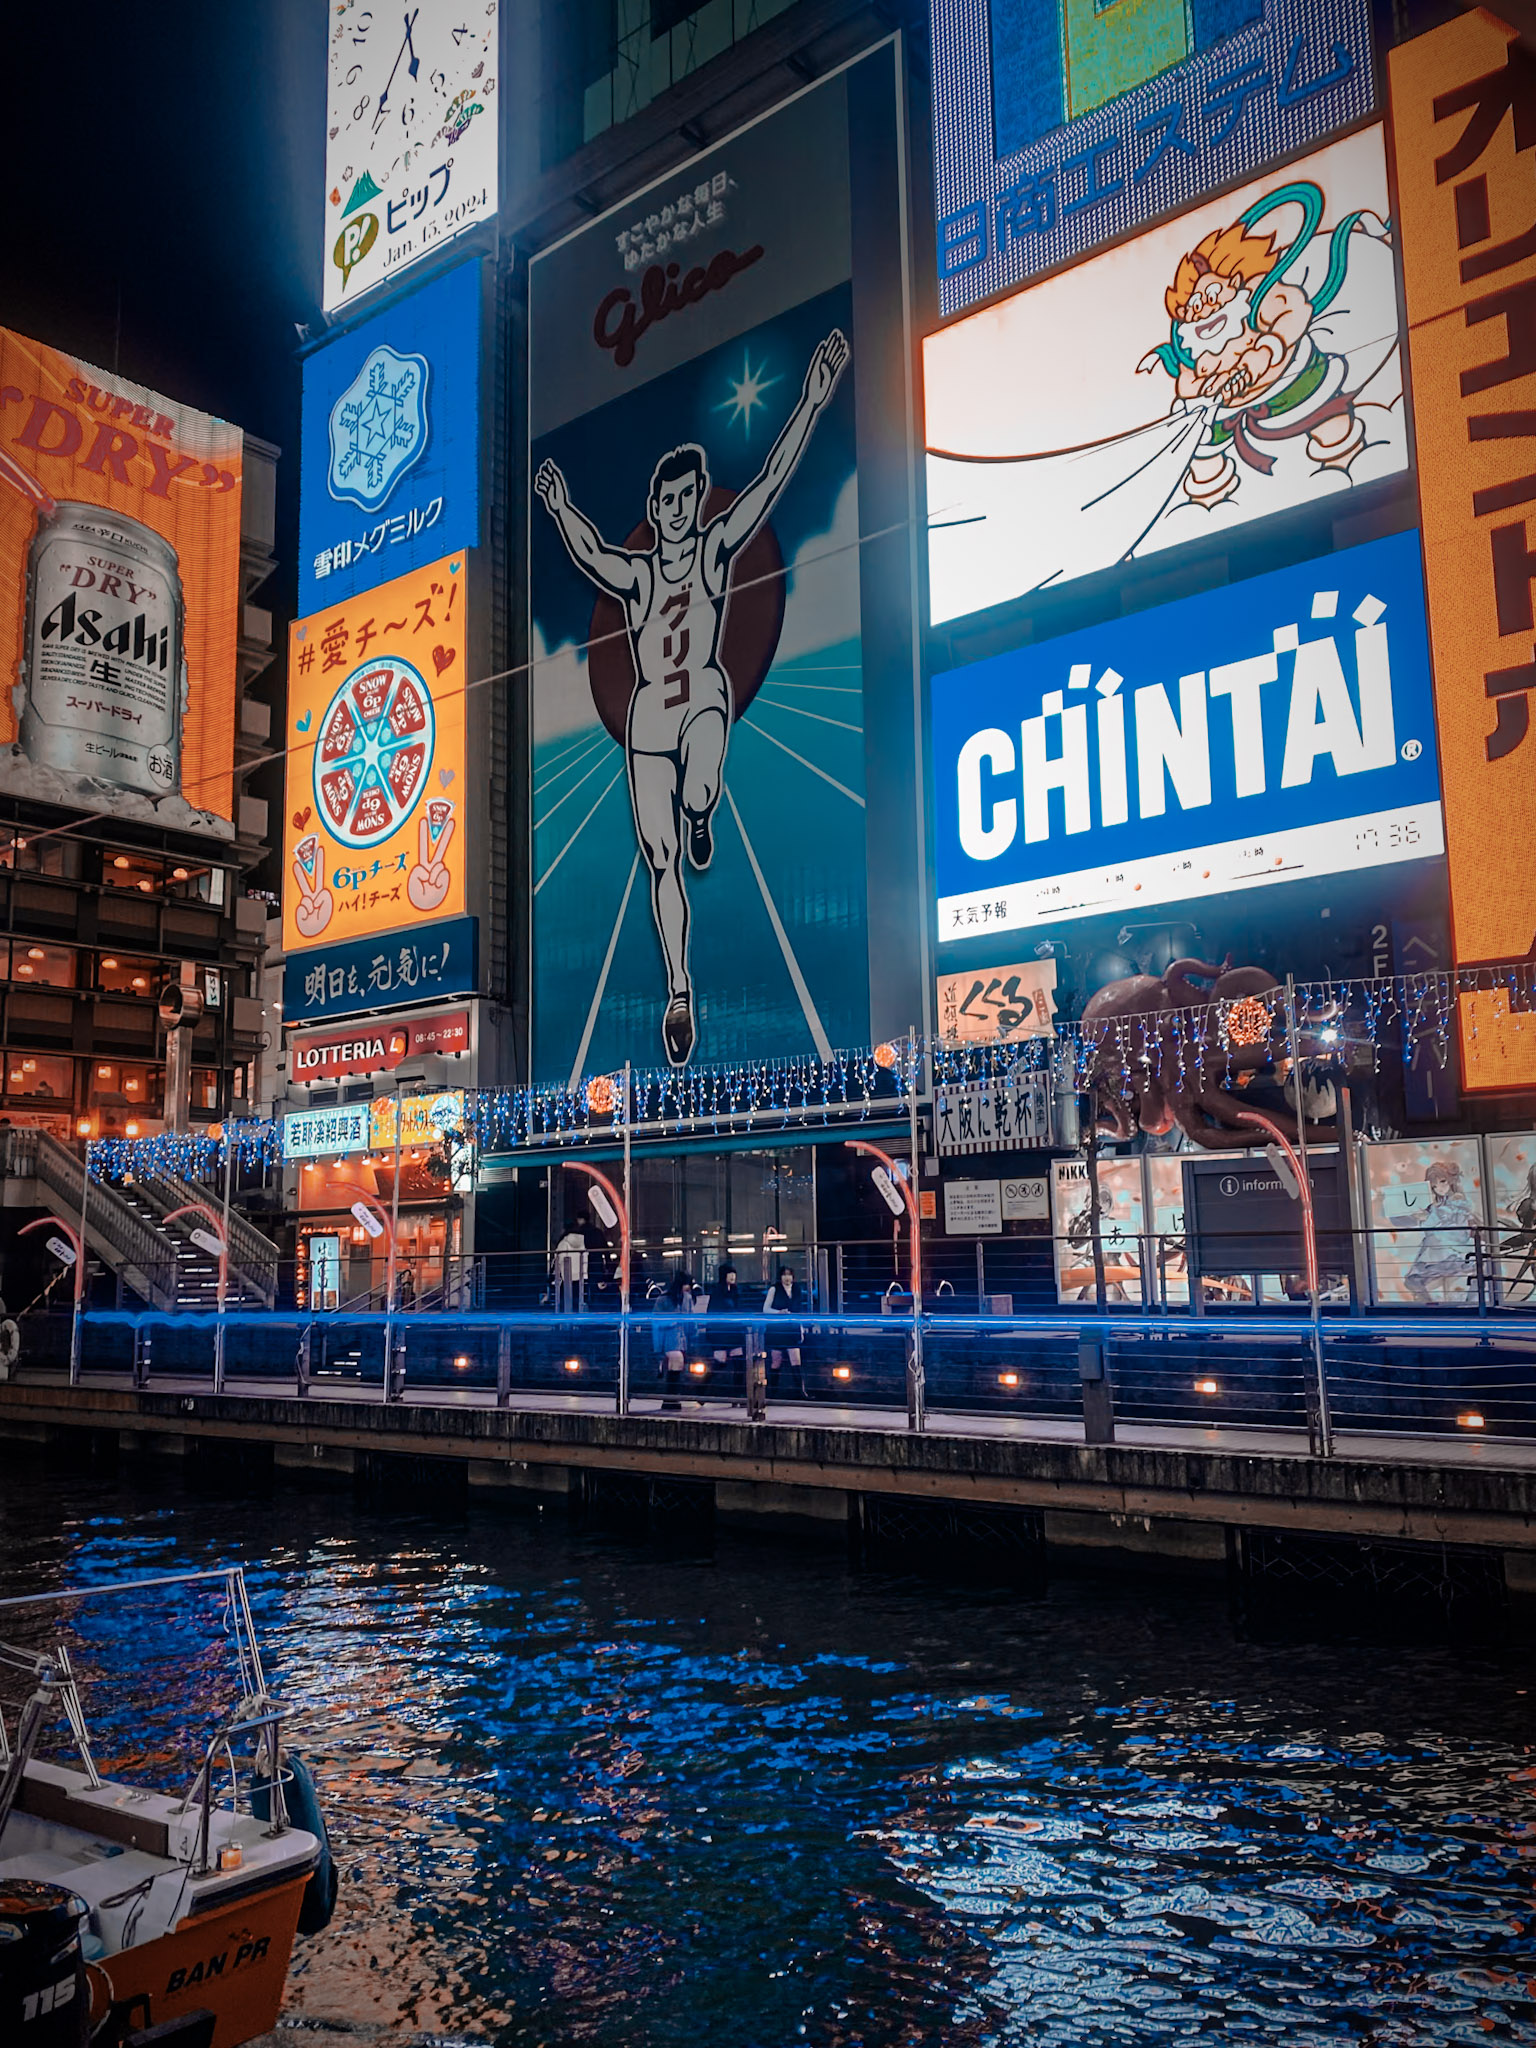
1277	728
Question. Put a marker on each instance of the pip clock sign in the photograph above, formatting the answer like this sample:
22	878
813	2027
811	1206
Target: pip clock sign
376	760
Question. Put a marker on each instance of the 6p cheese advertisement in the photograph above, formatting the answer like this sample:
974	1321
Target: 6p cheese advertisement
372	838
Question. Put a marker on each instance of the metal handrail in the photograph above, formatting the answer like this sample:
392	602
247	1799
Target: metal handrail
32	1154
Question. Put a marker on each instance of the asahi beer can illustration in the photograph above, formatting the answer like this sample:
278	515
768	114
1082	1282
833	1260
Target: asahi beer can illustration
102	670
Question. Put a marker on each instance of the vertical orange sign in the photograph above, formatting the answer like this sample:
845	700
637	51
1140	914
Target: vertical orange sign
1464	138
119	594
372	837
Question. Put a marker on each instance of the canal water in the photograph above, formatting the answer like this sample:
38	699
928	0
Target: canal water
588	1791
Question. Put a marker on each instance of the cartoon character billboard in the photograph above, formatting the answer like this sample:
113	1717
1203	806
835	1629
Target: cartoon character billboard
371	831
1425	1202
1272	729
700	610
1061	124
119	594
390	450
1240	360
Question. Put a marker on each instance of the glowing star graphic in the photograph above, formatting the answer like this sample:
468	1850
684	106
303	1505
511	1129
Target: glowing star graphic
746	393
378	427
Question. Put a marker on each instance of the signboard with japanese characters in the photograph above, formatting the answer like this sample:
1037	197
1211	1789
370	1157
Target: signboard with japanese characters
423	1119
996	1005
1061	124
390	467
973	1208
1464	133
344	979
325	1133
1008	1113
411	134
375	790
376	1047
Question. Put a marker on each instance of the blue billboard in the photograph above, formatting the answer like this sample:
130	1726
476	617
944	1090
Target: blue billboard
389	475
1061	124
355	975
1278	728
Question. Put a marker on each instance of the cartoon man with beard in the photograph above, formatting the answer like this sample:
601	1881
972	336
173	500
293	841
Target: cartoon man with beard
1242	343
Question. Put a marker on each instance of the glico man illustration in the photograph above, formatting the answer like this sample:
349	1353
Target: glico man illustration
674	596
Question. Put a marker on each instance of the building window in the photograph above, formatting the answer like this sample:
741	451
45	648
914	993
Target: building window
45	854
34	1076
129	976
44	966
205	1089
135	871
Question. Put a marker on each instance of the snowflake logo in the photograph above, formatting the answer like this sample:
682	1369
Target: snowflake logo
378	427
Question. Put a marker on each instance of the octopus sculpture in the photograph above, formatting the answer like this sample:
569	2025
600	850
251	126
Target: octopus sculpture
1167	1051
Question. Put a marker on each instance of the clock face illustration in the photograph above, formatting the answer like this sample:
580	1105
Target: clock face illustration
411	129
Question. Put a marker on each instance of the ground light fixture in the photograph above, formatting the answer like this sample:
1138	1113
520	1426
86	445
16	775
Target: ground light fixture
698	1368
1207	1386
461	1363
1007	1379
573	1365
1469	1418
842	1372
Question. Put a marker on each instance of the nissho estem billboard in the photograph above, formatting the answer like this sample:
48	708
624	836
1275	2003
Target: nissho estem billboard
1062	124
1278	728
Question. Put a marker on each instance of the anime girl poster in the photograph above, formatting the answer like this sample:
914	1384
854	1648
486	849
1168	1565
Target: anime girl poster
1241	359
1169	1247
1512	1202
1425	1203
1122	1223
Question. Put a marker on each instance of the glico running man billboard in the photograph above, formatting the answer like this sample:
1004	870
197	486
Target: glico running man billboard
372	838
119	594
713	369
1278	728
1240	360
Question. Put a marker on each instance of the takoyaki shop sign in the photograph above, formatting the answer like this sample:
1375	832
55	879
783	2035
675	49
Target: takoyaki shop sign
369	1048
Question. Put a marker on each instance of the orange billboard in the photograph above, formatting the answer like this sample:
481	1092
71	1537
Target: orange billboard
372	825
119	594
1464	137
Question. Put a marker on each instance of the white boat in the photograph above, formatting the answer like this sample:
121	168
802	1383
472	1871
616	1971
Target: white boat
124	1908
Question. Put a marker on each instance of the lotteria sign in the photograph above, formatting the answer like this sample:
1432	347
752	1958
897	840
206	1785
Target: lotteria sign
377	1048
1277	728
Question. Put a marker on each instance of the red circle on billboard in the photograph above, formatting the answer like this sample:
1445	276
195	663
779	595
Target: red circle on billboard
754	618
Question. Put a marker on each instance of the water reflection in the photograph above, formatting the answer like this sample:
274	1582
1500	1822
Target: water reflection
585	1794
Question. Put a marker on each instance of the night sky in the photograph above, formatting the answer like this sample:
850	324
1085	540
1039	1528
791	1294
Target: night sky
164	164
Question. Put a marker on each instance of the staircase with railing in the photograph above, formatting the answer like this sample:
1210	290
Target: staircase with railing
126	1227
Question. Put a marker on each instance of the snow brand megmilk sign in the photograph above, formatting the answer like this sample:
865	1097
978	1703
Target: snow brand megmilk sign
390	465
1277	728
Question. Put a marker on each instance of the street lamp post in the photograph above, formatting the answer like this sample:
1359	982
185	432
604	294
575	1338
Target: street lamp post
77	1241
915	1388
386	1229
1319	1416
220	1239
621	1212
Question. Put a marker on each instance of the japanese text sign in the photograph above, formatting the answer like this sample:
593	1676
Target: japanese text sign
995	1005
119	594
341	980
423	1119
390	471
1272	729
325	1133
1008	1113
1464	127
411	137
372	838
1061	124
